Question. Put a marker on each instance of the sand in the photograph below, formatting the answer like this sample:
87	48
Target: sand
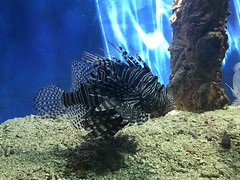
180	145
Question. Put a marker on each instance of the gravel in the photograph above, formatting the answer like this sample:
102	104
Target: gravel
180	145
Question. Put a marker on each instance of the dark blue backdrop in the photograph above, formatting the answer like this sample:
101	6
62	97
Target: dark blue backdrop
38	39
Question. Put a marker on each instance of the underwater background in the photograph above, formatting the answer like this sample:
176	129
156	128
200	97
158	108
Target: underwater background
38	40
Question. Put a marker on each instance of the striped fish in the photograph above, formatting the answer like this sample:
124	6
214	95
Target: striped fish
106	94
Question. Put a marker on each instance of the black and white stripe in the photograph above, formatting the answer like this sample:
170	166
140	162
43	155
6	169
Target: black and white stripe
84	96
107	94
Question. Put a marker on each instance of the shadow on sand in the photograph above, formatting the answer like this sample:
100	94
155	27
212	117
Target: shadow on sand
99	156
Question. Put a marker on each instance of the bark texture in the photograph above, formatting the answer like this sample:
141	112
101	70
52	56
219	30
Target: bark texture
197	49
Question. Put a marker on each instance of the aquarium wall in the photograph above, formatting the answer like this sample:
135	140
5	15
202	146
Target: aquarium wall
38	40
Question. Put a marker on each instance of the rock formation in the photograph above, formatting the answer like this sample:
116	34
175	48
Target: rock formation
199	43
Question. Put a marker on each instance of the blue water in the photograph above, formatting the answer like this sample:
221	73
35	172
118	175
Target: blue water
39	38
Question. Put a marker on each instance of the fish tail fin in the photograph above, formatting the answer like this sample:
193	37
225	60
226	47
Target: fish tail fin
48	101
233	91
237	67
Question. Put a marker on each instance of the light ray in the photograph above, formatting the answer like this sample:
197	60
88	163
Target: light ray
233	29
143	25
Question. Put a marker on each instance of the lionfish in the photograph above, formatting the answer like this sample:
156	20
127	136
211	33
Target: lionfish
106	94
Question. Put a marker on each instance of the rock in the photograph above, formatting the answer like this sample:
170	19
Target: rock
179	169
225	141
197	49
192	133
209	137
9	151
210	174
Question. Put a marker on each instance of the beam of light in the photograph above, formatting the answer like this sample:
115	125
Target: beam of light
142	25
233	29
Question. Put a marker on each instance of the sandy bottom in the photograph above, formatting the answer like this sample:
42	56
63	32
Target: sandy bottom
181	145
